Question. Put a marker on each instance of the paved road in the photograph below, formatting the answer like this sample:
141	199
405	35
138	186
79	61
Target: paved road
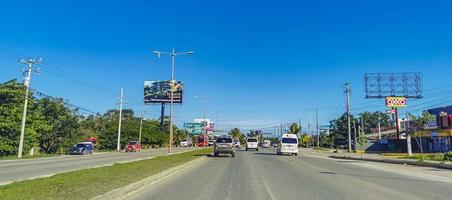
263	175
14	170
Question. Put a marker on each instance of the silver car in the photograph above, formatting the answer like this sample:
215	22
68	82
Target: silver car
224	145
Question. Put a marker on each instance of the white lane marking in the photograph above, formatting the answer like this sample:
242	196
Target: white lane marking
230	189
268	190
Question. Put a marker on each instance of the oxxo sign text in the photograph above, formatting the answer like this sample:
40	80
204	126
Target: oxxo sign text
396	102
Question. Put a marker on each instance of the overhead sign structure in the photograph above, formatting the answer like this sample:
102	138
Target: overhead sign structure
160	92
396	102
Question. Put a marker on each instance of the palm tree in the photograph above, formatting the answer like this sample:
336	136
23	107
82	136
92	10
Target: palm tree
294	128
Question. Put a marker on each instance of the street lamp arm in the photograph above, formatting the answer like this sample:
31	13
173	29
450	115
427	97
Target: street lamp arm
185	53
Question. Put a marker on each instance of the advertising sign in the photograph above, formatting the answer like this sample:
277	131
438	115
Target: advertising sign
389	112
160	91
396	102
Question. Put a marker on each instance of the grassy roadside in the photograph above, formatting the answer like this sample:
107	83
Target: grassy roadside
322	149
84	184
14	157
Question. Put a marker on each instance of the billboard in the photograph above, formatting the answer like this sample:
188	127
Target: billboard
396	102
160	91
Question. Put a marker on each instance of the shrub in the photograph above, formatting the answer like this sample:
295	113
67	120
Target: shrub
448	156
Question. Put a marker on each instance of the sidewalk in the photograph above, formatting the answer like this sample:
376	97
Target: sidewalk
376	157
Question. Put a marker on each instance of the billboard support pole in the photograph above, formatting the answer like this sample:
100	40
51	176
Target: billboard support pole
397	122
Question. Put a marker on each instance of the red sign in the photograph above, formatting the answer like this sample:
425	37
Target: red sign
395	102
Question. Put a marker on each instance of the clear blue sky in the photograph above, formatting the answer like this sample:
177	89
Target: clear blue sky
266	62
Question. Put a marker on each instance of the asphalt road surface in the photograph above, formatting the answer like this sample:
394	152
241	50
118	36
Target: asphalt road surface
263	175
15	170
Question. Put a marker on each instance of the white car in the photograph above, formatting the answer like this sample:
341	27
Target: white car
184	143
266	144
288	144
252	143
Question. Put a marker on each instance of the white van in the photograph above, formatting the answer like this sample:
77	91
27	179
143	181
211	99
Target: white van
288	144
266	144
252	143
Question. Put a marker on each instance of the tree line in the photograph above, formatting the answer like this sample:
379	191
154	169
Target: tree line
53	127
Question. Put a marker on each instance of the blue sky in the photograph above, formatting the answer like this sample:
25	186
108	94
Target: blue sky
266	62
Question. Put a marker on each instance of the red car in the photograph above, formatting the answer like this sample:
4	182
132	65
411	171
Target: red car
133	146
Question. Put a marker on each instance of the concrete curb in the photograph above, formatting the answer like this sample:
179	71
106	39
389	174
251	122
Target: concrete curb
403	162
129	190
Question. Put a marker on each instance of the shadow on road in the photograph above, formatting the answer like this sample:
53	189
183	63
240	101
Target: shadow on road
347	161
265	154
219	156
332	173
202	154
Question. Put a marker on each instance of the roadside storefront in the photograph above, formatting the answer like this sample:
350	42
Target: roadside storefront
437	140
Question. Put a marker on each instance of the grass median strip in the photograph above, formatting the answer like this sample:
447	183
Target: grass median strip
88	183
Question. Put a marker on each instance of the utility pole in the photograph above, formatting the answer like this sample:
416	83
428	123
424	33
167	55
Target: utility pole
309	122
347	99
354	129
121	101
141	122
379	127
173	55
30	63
299	126
205	98
361	132
318	128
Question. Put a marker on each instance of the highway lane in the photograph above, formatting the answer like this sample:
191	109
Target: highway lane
15	170
263	175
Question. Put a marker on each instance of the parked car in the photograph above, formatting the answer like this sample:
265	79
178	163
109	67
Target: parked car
184	143
211	143
274	144
133	146
252	143
237	144
288	144
224	145
82	148
266	144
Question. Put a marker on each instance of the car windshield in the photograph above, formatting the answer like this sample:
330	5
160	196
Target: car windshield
252	140
224	140
80	145
289	140
132	143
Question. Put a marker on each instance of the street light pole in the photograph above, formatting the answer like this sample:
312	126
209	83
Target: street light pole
173	55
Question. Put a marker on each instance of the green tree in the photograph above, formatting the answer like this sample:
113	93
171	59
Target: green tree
64	126
417	124
371	120
305	139
294	128
12	95
339	126
362	140
235	133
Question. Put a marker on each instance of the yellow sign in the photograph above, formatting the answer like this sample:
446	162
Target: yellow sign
396	102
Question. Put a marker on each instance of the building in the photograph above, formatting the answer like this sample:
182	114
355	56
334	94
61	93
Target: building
437	136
